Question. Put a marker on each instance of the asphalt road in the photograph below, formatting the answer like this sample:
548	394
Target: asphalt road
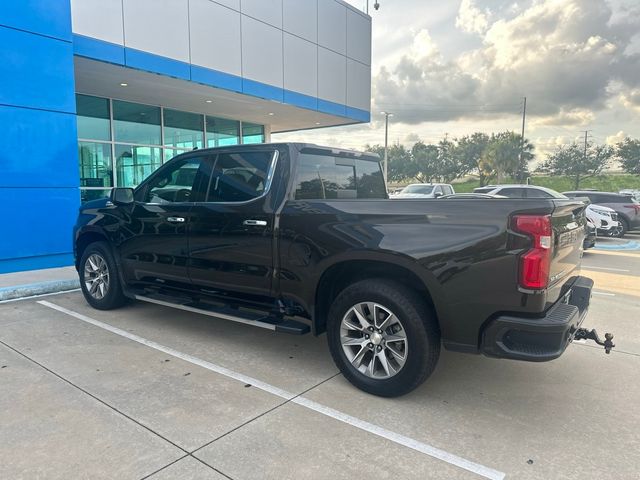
150	392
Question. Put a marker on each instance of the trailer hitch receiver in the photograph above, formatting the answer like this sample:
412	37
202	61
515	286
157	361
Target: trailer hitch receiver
584	334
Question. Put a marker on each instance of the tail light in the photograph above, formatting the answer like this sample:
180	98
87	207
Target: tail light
536	262
636	207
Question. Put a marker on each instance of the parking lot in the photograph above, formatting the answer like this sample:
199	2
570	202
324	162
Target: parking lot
151	392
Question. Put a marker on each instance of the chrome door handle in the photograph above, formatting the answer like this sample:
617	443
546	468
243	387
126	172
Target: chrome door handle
175	219
255	223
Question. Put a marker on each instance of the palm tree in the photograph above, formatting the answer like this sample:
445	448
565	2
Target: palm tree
507	154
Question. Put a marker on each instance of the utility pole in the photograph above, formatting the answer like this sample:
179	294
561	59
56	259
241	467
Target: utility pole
524	118
386	145
584	159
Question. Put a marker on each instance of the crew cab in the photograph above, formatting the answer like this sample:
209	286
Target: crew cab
299	238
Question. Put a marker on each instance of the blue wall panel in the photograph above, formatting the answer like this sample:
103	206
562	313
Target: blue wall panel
36	71
332	108
39	194
262	90
300	100
44	17
157	64
98	49
39	148
39	221
216	79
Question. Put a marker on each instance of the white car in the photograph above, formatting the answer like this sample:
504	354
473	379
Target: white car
605	219
425	190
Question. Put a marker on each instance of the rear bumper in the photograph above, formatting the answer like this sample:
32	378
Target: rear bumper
539	339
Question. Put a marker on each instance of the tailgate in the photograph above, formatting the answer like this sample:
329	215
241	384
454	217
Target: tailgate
568	222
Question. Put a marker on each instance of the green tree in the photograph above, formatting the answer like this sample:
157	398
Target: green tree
425	161
502	156
572	161
628	153
400	162
448	167
469	151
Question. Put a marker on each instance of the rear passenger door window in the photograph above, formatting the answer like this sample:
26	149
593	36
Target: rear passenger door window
533	193
512	192
325	177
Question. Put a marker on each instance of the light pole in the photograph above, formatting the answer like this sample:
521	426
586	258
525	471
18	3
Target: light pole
375	5
386	145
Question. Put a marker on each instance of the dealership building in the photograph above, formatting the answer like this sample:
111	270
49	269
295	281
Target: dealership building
99	93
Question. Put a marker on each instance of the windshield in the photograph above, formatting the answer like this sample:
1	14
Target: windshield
423	189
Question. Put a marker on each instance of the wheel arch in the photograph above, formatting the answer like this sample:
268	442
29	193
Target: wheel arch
84	239
341	274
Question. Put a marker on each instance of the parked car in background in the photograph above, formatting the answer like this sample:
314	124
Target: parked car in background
590	235
632	193
605	219
627	208
425	190
519	191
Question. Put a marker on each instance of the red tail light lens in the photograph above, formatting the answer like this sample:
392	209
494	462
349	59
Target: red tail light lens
536	262
634	206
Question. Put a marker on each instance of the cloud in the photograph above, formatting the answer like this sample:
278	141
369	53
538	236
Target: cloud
617	138
573	117
471	19
560	54
631	98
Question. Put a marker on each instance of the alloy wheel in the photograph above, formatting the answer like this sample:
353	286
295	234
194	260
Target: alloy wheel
374	340
96	276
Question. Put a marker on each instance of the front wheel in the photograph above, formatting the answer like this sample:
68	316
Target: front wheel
99	279
383	337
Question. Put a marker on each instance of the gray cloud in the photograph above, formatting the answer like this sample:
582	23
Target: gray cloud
563	55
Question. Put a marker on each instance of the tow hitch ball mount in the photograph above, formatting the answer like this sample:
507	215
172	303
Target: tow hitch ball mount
584	334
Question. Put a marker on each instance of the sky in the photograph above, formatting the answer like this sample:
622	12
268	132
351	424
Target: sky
448	68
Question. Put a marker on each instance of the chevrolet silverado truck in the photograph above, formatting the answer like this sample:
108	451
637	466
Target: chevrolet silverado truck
299	238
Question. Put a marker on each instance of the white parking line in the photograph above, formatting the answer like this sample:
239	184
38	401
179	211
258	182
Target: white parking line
434	452
31	297
605	294
587	267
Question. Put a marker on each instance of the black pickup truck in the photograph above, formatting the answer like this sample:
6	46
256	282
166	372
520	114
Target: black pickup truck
299	238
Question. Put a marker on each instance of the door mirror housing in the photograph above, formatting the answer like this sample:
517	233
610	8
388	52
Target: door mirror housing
437	194
122	196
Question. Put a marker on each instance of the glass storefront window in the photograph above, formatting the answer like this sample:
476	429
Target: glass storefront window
134	164
93	118
252	133
88	194
125	152
169	153
222	132
95	164
183	129
136	123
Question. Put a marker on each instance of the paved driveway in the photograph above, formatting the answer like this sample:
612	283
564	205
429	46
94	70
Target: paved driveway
151	392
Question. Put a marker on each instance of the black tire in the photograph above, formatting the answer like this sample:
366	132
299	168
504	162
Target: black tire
419	323
624	228
113	296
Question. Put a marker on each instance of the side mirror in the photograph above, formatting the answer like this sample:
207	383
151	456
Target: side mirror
437	194
122	196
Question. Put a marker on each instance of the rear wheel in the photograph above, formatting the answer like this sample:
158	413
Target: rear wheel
383	337
99	278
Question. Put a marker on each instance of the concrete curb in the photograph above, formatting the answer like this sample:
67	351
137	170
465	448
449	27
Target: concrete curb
41	288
